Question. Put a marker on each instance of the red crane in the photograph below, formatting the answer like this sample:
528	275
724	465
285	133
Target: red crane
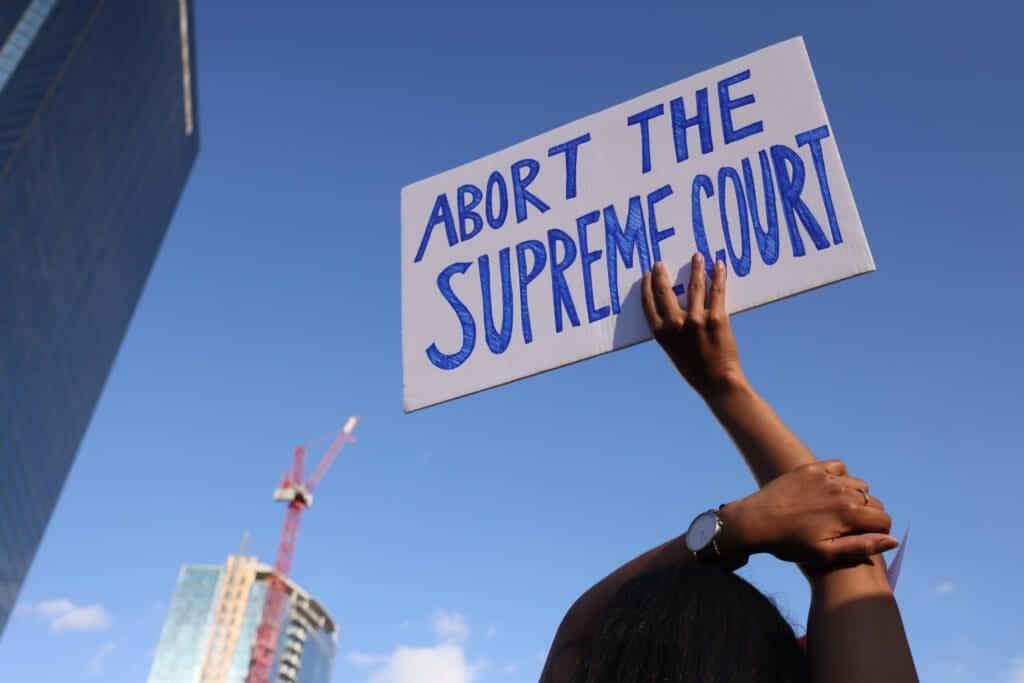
299	496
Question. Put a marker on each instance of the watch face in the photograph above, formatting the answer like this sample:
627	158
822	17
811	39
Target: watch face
702	531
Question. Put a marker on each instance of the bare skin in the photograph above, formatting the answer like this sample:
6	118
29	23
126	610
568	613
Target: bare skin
807	511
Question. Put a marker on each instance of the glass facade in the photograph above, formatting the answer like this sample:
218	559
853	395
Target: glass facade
97	138
179	656
305	649
317	658
247	632
11	12
306	646
23	34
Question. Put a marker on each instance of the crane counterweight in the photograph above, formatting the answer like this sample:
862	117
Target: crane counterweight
294	494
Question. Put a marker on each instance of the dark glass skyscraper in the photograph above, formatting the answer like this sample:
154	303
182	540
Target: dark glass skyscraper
98	133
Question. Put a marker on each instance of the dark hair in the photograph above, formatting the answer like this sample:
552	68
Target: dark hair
692	624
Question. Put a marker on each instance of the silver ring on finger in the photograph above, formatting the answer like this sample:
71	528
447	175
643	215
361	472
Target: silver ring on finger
864	493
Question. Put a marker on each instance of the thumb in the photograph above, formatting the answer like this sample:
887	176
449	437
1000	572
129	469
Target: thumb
859	546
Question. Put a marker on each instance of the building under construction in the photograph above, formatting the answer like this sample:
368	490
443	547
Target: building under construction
247	621
211	629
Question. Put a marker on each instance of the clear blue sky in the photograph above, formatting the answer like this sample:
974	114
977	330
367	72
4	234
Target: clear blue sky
273	313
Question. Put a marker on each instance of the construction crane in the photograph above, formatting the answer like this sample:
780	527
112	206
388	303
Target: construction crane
298	494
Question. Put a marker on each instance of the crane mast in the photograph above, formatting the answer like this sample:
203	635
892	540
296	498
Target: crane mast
298	495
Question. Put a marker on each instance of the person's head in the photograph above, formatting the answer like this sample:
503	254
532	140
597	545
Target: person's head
691	624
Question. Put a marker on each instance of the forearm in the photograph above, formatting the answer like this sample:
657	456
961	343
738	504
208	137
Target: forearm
589	607
768	446
579	623
855	632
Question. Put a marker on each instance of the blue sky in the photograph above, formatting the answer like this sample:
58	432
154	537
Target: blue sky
455	538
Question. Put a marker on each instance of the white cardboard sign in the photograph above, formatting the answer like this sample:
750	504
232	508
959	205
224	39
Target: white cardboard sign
530	258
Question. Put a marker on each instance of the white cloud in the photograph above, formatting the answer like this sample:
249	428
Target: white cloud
365	659
63	615
511	668
945	588
450	627
1016	672
445	662
100	658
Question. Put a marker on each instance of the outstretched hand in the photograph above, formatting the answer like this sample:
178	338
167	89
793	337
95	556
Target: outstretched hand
699	339
816	515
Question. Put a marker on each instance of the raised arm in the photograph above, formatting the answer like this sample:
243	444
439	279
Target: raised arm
855	632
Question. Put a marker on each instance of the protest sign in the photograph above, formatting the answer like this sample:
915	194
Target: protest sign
531	258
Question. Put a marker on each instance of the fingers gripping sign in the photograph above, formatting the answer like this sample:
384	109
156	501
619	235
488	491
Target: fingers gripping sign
718	312
696	290
699	339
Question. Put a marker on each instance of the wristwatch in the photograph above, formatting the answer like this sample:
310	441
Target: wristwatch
703	534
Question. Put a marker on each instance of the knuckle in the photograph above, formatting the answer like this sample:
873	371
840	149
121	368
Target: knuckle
664	334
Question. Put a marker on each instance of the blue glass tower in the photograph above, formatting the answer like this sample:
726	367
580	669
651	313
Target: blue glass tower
98	134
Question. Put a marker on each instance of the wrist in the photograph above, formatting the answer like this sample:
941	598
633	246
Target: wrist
871	572
843	584
738	539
